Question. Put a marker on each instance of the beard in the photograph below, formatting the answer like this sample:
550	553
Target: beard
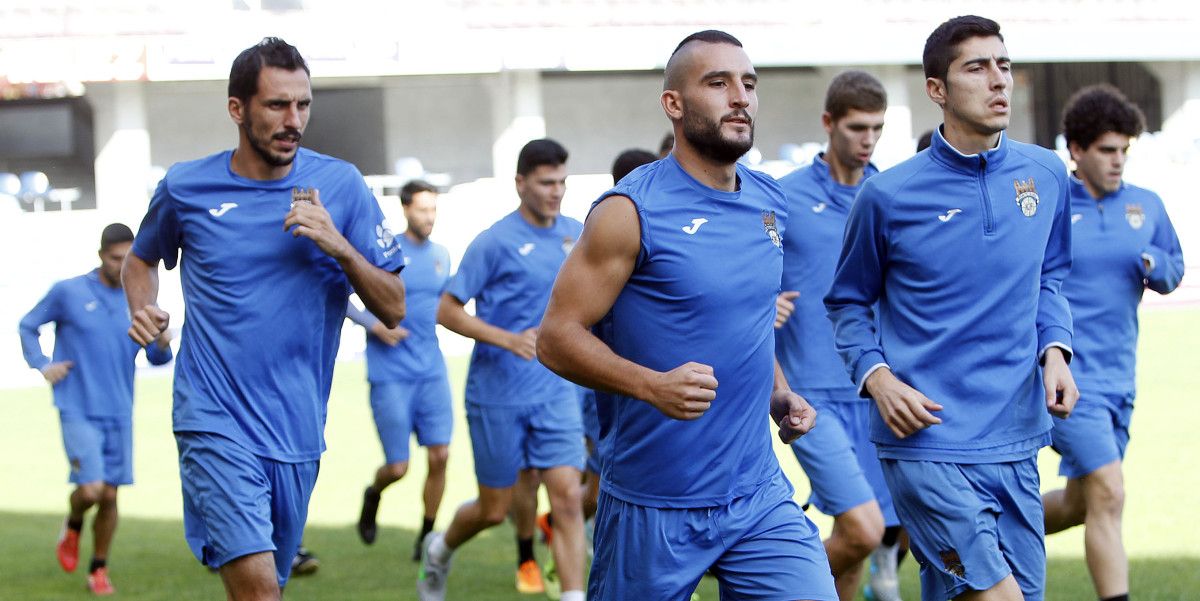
261	145
705	136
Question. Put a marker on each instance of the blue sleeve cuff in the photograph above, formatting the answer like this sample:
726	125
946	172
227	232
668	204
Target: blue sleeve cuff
1055	337
867	363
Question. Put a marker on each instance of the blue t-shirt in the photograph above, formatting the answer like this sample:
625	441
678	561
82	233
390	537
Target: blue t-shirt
817	209
91	324
509	270
703	289
965	255
264	309
418	356
1110	238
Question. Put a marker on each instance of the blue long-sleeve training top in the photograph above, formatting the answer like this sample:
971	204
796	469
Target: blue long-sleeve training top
965	255
1113	238
91	329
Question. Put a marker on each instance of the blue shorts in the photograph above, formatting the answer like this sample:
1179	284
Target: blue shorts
98	448
841	462
236	503
760	546
507	439
1095	434
971	525
402	408
591	427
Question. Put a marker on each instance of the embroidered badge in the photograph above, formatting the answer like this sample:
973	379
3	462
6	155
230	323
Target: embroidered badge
1135	215
768	219
1027	197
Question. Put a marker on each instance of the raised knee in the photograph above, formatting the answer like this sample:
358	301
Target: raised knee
494	516
1107	498
91	493
438	456
396	471
862	535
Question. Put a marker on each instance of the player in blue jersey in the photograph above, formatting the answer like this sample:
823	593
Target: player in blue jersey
92	378
625	163
947	312
410	391
521	416
1123	243
274	238
838	457
671	292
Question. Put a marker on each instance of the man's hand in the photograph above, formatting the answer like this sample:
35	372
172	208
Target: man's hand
685	392
389	336
523	344
164	339
784	306
148	323
55	372
794	416
904	409
311	220
1061	392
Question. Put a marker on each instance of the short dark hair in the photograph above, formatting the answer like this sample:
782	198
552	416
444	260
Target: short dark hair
1096	110
708	36
629	160
941	48
854	90
540	152
412	188
925	141
270	52
115	233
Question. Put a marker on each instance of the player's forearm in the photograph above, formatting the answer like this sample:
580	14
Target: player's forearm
140	281
380	290
455	318
573	352
781	382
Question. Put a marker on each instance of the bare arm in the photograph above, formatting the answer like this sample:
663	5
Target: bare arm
140	280
587	286
456	319
790	411
380	290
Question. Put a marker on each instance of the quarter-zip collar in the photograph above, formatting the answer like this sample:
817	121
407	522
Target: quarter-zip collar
969	164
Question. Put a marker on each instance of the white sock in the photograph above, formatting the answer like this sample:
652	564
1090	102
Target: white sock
438	551
572	596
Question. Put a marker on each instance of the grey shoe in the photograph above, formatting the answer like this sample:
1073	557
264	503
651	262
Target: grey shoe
431	579
884	582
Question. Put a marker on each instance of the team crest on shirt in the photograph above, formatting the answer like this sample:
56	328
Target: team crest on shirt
1027	197
768	219
385	237
1135	215
568	244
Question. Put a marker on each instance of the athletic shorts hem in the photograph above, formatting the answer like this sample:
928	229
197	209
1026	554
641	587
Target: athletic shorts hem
968	586
224	558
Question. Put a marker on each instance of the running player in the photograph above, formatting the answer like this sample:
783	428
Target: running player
521	416
671	291
92	378
839	457
274	237
1123	243
410	391
945	301
625	162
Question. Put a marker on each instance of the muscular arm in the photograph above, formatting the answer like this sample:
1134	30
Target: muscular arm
587	286
140	280
380	290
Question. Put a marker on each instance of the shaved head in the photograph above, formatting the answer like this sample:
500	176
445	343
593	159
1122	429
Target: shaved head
676	71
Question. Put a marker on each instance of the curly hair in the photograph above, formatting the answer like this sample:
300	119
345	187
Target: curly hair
1096	110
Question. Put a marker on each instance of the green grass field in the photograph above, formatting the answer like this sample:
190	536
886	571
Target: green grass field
150	560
